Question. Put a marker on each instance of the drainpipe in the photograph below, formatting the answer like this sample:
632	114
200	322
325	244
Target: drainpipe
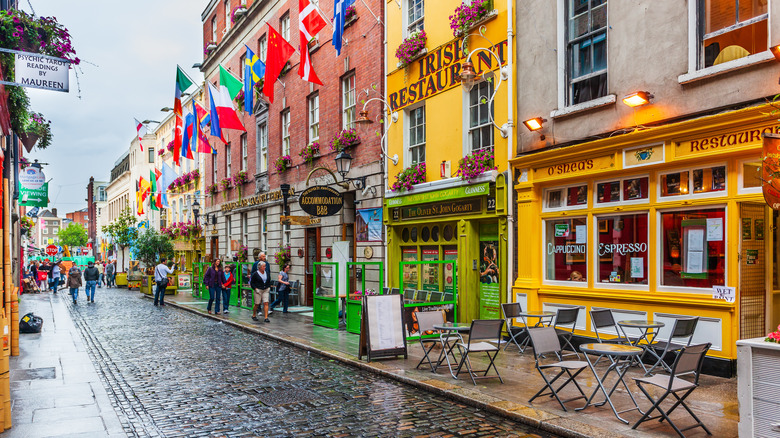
510	149
385	170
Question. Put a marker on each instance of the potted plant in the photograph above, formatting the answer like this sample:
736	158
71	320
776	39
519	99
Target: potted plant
310	152
345	139
467	16
351	16
243	254
36	129
24	162
411	48
212	190
226	184
26	224
282	255
209	47
237	12
283	163
408	177
473	165
239	100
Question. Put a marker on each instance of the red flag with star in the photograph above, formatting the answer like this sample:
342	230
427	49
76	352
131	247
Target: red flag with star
279	52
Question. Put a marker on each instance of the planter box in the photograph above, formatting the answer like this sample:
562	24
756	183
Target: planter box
758	387
419	55
490	16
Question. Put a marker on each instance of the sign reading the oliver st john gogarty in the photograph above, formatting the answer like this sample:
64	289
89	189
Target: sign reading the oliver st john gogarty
723	141
465	206
440	195
39	71
255	200
770	170
321	201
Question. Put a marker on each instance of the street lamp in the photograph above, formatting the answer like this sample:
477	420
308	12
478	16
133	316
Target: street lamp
165	109
147	121
196	210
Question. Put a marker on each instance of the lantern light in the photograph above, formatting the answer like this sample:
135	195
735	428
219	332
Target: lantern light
775	51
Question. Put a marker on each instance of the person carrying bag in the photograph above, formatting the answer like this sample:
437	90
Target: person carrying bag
161	272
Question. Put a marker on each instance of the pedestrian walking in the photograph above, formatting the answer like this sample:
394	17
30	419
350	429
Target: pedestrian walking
91	276
229	279
161	272
213	281
34	271
74	282
261	284
110	270
55	276
99	267
282	290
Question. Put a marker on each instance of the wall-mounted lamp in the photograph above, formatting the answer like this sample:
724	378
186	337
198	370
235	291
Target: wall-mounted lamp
637	99
534	124
166	109
364	120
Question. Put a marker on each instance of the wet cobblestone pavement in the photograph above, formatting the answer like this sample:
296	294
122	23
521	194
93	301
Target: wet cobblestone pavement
170	373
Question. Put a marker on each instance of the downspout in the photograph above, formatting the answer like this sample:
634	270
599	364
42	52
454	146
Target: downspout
385	172
510	149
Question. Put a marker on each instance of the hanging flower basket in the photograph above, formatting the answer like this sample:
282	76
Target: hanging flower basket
412	48
414	174
36	129
238	12
283	163
351	16
471	166
345	139
226	183
212	190
282	255
239	100
310	152
469	16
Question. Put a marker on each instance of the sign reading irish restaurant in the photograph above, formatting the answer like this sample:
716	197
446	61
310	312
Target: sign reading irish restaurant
321	201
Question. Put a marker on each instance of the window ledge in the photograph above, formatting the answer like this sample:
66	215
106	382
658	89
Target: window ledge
609	99
726	67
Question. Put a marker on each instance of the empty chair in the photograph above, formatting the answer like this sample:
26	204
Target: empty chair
603	319
435	297
512	311
395	290
688	361
426	321
482	334
408	295
420	296
682	330
385	290
448	297
565	319
544	340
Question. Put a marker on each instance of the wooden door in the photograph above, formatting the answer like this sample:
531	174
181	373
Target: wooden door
214	252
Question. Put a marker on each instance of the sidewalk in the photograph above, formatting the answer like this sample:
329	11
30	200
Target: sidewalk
715	401
55	390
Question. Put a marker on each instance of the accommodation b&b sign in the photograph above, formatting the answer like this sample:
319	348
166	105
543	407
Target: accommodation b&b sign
39	71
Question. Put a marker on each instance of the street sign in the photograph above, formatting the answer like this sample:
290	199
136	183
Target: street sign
321	201
296	220
85	251
34	197
51	250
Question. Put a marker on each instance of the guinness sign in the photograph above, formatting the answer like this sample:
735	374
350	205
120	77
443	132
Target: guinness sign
321	201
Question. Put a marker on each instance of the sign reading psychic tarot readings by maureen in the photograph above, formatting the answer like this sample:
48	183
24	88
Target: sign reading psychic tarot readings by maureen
770	170
321	201
34	70
488	272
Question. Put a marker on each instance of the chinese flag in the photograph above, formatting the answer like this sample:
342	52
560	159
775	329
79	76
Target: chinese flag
279	51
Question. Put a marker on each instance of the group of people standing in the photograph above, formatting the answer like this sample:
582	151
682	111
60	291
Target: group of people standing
51	273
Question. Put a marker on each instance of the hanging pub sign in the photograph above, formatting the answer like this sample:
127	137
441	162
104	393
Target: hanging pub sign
321	201
40	71
770	170
33	188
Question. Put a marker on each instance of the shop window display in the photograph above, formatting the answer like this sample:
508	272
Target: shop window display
697	181
630	189
622	250
566	249
693	248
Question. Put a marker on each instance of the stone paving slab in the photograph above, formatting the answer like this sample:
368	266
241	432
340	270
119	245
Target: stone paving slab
715	401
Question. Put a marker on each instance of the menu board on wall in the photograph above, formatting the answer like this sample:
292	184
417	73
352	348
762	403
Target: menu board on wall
410	271
430	273
695	248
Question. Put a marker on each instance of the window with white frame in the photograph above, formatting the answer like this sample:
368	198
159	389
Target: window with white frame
566	198
314	117
417	135
262	143
415	15
732	29
586	36
244	153
228	166
227	14
566	250
480	132
241	64
151	155
286	132
262	48
348	105
244	229
699	181
284	26
264	230
214	29
622	249
228	230
214	168
750	176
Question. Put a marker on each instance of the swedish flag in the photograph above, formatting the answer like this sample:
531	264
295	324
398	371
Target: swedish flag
254	70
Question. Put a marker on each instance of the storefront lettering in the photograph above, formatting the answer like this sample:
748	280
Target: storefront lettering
255	200
621	248
442	209
565	249
733	139
577	166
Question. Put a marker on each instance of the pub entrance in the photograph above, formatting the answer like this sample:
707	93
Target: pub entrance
312	256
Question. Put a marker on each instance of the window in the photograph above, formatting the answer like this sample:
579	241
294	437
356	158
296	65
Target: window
696	181
228	167
151	154
214	168
415	15
348	102
732	29
262	47
622	250
417	135
566	198
629	189
314	118
244	229
214	29
227	14
586	50
45	231
693	248
566	250
264	230
480	117
241	64
244	152
229	231
262	142
750	176
284	26
286	132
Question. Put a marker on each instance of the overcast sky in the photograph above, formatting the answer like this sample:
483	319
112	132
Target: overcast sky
135	47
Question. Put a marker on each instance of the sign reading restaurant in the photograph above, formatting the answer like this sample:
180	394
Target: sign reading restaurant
723	141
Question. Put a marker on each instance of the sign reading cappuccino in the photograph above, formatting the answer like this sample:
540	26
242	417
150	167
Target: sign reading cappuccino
321	201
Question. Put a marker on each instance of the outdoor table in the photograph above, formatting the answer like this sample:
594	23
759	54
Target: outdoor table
614	352
543	318
445	330
644	327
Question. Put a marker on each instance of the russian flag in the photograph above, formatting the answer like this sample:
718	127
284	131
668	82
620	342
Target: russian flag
223	116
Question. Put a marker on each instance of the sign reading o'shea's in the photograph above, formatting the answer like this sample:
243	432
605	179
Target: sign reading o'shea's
321	201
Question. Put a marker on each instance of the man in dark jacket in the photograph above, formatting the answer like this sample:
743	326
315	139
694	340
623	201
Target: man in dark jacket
91	276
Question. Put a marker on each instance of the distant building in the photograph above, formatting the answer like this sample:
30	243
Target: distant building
47	226
80	217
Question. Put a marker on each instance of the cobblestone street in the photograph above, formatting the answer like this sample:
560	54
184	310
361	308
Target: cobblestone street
171	373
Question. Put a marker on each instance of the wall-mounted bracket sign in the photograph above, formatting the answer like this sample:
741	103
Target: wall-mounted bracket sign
34	70
321	201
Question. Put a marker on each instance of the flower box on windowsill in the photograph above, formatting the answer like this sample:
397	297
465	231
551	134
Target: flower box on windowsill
419	55
211	46
351	21
488	17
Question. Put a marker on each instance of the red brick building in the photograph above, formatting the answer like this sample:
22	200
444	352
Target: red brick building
80	217
301	114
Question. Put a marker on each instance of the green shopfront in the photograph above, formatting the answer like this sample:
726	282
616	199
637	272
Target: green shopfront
448	246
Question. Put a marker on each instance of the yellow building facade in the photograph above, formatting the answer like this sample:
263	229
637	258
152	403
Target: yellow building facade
652	224
463	224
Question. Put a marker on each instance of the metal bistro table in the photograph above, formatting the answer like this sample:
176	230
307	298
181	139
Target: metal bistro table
446	329
613	351
543	318
644	327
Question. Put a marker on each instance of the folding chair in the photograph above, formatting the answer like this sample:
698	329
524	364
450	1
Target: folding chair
545	340
421	295
566	317
689	360
385	290
448	297
395	290
426	321
482	333
435	297
683	329
602	319
408	295
512	311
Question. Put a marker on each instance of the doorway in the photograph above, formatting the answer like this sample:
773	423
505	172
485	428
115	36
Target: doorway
214	250
312	256
752	271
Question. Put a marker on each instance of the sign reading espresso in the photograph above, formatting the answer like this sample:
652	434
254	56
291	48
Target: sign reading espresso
321	201
255	200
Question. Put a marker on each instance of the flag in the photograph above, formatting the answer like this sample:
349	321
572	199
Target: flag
156	190
168	175
340	11
254	70
203	118
153	199
182	84
279	51
144	187
230	82
309	23
189	140
139	202
141	128
223	116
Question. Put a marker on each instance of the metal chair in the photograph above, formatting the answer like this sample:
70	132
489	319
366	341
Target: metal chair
395	290
426	321
435	297
545	340
482	334
602	319
683	329
512	311
385	290
688	361
567	317
409	295
421	295
448	297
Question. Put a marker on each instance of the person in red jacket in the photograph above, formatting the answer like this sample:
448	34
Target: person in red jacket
228	279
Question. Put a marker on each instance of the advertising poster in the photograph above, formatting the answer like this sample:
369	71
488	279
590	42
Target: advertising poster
430	273
489	272
410	271
449	270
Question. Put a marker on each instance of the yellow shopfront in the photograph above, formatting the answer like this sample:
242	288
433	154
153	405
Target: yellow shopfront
647	223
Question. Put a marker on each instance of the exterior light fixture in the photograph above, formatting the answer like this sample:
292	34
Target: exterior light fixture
343	163
534	124
468	76
363	118
196	210
147	121
166	109
638	98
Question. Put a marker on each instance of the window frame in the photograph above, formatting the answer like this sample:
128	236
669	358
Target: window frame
594	270
227	15
262	145
691	195
314	114
741	177
564	207
284	121
408	161
151	154
566	283
214	163
622	179
568	62
417	24
468	147
348	100
228	161
244	152
284	26
214	29
262	47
